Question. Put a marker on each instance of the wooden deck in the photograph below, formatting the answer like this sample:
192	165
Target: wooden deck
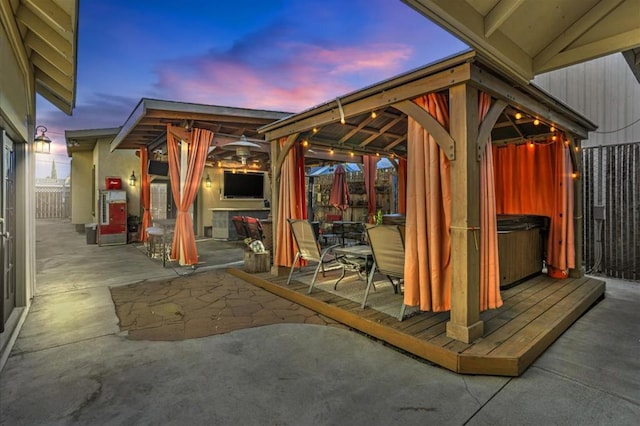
535	313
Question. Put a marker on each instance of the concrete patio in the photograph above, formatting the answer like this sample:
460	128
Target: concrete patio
71	363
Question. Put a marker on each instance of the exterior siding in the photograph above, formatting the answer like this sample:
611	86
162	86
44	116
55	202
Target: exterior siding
603	90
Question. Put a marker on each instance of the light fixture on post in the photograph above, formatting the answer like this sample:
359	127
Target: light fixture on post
132	179
42	143
207	181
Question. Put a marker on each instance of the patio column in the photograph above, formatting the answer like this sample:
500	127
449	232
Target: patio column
465	324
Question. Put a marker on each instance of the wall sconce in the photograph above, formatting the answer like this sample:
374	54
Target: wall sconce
207	181
132	179
41	141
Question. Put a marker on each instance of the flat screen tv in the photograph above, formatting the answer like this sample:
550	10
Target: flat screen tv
241	185
158	168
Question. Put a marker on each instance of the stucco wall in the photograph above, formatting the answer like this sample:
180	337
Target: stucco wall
81	169
210	198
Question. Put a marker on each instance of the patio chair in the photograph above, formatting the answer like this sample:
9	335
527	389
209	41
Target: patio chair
253	227
387	247
308	248
241	229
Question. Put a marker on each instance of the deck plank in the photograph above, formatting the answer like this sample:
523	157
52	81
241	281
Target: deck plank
534	314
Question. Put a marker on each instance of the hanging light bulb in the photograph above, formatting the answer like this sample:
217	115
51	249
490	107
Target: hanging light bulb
351	153
373	114
531	144
554	137
536	122
377	154
575	175
331	151
552	129
518	116
305	143
315	130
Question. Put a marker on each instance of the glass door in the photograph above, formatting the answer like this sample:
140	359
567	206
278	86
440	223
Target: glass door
7	228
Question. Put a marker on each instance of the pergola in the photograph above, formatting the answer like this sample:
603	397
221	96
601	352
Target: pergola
374	120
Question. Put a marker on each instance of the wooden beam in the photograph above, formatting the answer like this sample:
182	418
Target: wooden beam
499	14
465	324
63	79
487	125
54	13
575	31
398	141
409	90
501	90
381	132
431	125
53	56
284	151
355	130
617	43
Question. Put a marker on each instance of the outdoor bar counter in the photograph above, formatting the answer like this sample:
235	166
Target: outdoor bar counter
223	228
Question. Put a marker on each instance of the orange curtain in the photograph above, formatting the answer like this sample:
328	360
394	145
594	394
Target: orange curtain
561	243
536	179
402	185
490	297
199	141
291	203
370	170
427	271
145	193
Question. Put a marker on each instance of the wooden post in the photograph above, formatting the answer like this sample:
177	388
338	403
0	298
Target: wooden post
578	213
465	324
275	198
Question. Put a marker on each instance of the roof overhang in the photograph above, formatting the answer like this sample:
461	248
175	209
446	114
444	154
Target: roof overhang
525	38
44	35
86	140
147	126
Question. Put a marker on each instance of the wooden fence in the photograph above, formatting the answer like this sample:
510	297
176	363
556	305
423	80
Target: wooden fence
53	202
611	184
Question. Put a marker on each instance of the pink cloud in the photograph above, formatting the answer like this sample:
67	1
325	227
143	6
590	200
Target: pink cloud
307	75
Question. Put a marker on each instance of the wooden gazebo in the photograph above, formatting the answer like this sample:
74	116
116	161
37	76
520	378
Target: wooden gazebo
374	121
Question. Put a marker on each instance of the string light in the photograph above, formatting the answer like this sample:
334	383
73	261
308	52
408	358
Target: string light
331	151
315	130
575	175
552	129
352	153
531	144
566	142
577	148
554	137
518	116
377	154
536	122
305	143
373	114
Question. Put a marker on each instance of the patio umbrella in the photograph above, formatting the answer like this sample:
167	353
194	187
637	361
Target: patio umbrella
339	197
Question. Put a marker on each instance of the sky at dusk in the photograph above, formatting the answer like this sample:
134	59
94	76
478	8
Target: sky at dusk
282	55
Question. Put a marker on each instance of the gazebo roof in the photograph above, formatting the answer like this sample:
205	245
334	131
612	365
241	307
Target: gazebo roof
375	117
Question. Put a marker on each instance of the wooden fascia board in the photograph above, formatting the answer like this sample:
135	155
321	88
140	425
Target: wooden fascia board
51	55
571	34
342	158
617	43
461	20
45	32
132	121
407	91
502	90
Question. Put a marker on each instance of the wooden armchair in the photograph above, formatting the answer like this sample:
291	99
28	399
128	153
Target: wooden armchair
387	247
308	248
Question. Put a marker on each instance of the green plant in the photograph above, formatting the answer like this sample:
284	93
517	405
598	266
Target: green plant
377	218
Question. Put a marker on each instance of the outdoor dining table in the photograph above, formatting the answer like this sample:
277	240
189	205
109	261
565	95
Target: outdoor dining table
354	258
343	226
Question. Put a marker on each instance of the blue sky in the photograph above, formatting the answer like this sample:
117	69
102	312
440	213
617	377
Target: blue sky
284	55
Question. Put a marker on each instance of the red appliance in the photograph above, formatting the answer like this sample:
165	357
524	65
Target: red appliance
113	183
112	226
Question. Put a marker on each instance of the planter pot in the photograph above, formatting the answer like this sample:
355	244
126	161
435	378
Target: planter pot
256	262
